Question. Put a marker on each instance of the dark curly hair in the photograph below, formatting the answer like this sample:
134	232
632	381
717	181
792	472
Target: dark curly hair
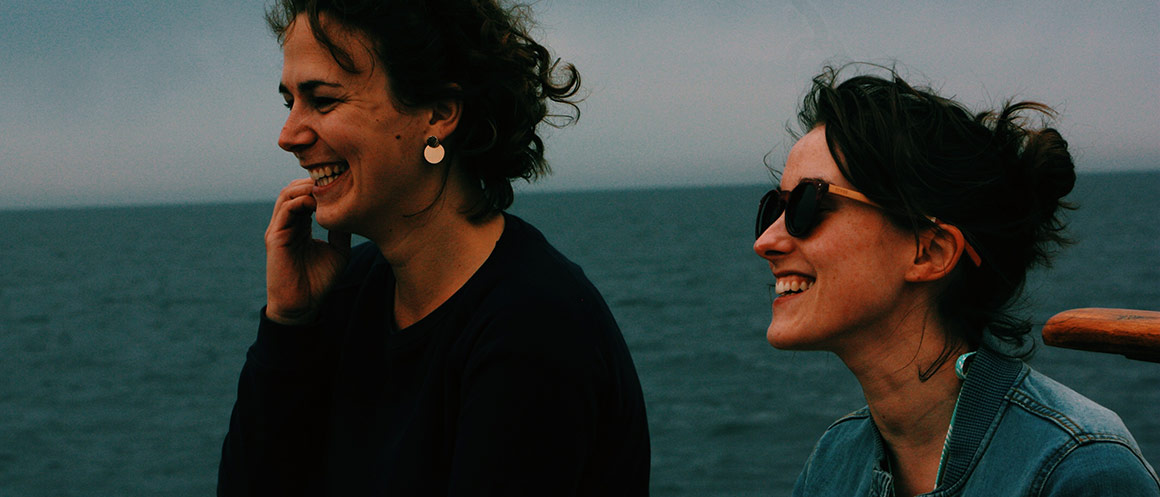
993	175
474	51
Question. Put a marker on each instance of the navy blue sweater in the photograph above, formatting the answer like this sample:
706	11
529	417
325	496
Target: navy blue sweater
520	384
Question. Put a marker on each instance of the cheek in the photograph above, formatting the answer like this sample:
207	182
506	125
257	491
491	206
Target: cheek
881	245
869	269
872	274
360	134
336	135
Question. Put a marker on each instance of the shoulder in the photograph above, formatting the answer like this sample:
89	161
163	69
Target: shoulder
532	281
853	431
528	257
844	459
1101	469
1073	414
530	300
851	438
1084	441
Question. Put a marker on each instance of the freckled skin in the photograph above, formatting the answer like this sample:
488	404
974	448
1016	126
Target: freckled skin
855	256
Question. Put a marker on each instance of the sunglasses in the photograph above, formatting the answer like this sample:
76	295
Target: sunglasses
800	206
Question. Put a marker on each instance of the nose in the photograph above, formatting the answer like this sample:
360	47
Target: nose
775	241
296	134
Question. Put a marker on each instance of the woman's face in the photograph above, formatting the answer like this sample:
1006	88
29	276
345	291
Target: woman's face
364	154
851	265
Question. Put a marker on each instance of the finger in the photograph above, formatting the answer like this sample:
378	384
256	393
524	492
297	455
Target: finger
291	220
293	212
340	241
295	189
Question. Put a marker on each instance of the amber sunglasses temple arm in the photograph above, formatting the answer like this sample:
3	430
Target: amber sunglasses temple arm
858	196
851	194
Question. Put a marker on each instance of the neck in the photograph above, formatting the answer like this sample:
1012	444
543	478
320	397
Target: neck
434	253
911	414
913	418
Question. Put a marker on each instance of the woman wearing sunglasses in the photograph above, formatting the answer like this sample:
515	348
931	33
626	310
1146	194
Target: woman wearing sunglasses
900	236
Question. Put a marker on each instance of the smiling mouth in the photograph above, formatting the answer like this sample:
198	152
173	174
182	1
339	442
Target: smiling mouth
324	175
790	286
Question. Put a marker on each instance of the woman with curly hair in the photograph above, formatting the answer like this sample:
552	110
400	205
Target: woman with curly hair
456	352
900	237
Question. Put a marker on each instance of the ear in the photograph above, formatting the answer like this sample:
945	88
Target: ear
937	253
443	118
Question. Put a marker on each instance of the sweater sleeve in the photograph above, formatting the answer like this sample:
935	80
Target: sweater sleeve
529	409
275	442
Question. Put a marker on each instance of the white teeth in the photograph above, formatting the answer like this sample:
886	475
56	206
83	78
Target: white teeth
783	287
323	175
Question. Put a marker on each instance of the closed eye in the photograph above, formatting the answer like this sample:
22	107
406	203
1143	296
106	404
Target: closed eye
307	89
323	104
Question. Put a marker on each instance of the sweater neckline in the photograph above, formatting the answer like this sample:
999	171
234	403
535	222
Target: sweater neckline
512	225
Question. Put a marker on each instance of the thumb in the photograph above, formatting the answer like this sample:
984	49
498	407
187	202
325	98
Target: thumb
340	241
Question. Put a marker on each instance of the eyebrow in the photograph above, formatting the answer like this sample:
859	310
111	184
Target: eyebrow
800	180
308	86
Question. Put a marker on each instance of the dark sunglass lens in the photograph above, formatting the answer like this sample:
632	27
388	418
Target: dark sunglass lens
802	211
768	211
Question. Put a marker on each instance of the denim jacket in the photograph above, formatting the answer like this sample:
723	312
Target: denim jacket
1015	433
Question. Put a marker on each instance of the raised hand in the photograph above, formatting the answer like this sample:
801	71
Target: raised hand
300	270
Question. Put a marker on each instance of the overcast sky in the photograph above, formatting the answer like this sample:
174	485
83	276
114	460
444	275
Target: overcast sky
147	101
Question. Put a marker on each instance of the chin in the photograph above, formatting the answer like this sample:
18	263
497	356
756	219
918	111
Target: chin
778	339
783	339
332	218
325	217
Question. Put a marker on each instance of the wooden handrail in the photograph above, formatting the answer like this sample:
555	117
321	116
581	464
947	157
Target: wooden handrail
1130	332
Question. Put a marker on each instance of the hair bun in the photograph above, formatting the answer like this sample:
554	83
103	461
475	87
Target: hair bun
1049	165
1049	175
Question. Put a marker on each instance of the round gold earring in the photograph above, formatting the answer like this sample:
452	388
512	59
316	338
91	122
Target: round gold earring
434	152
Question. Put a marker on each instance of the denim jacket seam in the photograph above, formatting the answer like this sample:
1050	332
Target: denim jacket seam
1073	429
1076	437
1022	399
862	413
1051	463
1065	433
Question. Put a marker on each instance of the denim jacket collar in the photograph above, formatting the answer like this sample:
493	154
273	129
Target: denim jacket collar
989	378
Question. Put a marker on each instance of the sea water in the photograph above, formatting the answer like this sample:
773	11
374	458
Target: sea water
122	332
